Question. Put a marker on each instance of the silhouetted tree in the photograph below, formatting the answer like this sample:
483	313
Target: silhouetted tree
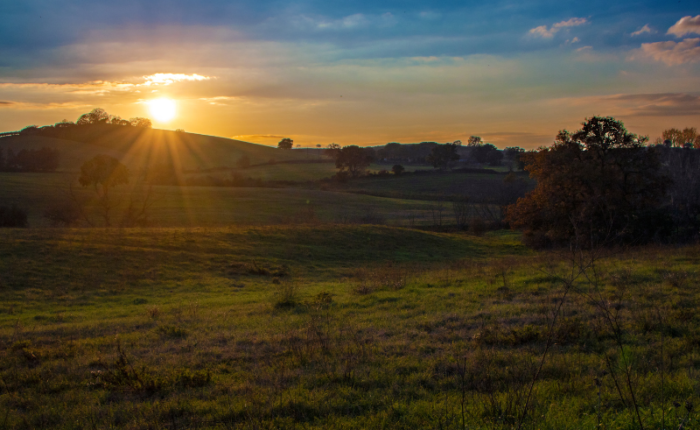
31	160
3	162
285	143
13	217
103	172
487	154
140	122
353	159
398	169
474	141
442	156
95	116
64	124
597	184
513	153
29	130
680	138
332	150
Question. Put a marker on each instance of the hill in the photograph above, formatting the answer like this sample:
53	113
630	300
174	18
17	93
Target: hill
140	147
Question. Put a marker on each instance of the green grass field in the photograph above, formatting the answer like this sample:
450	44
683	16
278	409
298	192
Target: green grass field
214	206
341	327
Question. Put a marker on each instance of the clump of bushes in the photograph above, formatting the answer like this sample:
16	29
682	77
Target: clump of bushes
13	217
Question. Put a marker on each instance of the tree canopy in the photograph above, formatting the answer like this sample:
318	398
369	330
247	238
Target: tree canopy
441	156
103	171
353	159
597	184
285	143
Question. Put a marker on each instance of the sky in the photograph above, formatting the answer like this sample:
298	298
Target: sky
355	72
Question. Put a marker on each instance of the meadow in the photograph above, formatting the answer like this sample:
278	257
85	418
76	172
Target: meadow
341	326
326	304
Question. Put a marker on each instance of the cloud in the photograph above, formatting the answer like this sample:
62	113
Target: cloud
547	33
686	25
673	53
642	105
4	103
351	22
258	136
171	78
665	104
645	29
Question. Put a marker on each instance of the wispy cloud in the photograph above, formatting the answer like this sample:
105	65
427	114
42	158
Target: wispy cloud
641	105
547	33
645	29
350	22
673	53
171	78
686	25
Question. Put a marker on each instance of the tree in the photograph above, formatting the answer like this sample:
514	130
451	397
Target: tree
487	154
2	159
398	169
441	156
474	141
12	217
103	172
680	138
285	143
95	116
64	124
595	185
514	153
140	122
353	159
332	150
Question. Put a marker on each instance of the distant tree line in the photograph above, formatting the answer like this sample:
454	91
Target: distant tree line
95	118
29	160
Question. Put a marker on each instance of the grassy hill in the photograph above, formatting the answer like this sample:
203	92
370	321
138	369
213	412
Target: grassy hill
141	147
341	327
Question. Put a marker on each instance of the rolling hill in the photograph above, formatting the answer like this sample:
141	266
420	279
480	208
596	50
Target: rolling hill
140	147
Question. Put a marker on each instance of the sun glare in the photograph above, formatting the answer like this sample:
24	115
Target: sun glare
162	110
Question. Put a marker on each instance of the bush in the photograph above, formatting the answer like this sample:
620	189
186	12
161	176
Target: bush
12	217
64	214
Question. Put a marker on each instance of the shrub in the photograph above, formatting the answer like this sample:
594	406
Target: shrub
64	214
12	217
287	295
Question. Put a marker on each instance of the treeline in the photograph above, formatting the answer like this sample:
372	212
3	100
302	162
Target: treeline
97	116
29	160
476	152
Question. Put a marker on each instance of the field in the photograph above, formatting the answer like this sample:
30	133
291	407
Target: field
446	185
326	305
215	206
337	326
299	172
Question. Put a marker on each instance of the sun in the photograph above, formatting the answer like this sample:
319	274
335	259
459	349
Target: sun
163	110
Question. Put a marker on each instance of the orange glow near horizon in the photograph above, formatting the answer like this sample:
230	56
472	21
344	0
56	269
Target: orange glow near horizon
163	109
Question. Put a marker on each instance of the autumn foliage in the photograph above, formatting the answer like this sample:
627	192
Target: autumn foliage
599	184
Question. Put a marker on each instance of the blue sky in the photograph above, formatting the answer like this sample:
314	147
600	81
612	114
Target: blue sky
356	72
